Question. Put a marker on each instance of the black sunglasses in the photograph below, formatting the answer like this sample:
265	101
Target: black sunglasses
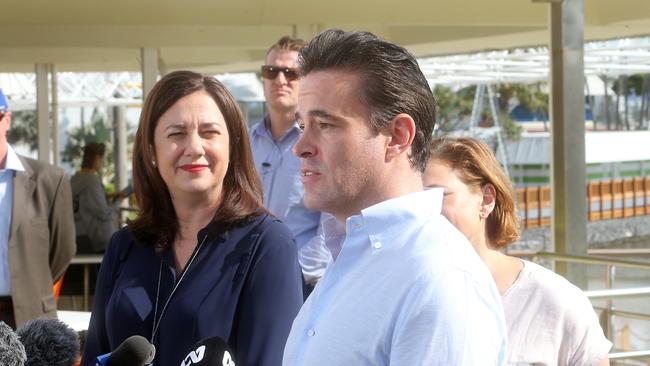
271	72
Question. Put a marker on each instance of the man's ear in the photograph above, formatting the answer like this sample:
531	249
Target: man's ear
401	132
489	200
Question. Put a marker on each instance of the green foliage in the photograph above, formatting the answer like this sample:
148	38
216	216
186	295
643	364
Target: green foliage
454	109
23	129
511	129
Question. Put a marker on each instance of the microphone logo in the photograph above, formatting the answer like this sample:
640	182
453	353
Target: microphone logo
195	356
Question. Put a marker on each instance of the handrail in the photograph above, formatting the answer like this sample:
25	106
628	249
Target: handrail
619	251
617	293
609	294
631	354
589	259
626	314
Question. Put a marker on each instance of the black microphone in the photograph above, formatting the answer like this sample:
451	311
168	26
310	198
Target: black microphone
211	351
12	352
49	342
266	165
134	351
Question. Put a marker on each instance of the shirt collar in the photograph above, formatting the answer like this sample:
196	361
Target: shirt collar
12	162
264	128
415	205
383	221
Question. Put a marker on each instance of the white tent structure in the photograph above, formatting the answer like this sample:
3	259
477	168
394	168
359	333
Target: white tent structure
220	36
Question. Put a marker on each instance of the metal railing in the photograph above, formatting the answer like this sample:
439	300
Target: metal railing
610	293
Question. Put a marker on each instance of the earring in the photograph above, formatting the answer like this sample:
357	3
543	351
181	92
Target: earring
153	162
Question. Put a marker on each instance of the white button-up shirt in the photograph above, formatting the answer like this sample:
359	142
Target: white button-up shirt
12	165
407	288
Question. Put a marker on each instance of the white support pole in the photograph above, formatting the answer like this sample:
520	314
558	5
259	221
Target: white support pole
568	171
43	112
120	147
150	72
55	116
120	151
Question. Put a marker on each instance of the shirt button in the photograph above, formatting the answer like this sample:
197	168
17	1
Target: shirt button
377	245
311	332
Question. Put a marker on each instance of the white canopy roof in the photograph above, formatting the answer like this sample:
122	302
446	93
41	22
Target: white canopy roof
224	36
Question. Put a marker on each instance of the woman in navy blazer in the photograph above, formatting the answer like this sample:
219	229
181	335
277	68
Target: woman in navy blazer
203	258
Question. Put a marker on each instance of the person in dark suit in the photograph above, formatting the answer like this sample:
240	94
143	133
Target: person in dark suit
37	233
203	258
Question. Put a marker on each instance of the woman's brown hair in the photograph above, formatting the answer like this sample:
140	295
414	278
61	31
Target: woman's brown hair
242	192
91	151
475	165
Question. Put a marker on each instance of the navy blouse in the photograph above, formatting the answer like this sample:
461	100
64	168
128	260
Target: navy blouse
245	286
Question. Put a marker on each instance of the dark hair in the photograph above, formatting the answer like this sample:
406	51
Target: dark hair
91	151
391	81
287	44
49	342
242	192
475	165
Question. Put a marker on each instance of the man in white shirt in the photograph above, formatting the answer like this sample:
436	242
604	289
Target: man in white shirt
405	287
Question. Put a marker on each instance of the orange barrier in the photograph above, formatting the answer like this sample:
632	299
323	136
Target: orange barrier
57	288
628	197
607	211
546	212
639	196
606	199
595	201
617	198
532	207
647	195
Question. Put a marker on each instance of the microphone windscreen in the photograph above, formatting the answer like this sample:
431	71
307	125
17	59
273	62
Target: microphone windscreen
211	351
49	342
134	351
12	352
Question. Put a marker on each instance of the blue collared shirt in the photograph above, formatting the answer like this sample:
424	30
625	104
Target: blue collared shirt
407	288
279	170
12	165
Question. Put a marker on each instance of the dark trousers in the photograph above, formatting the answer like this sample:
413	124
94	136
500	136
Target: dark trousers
7	311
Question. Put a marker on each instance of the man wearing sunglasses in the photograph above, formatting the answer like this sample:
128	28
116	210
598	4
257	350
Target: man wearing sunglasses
37	232
272	140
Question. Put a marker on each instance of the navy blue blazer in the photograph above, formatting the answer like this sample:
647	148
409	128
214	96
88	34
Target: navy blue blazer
244	286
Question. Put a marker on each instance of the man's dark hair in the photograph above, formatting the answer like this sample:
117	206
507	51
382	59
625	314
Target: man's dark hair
49	342
391	81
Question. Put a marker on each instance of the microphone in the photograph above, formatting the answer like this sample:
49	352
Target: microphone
49	342
266	165
211	351
134	351
12	352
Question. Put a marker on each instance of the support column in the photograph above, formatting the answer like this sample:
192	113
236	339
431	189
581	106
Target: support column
55	116
43	112
150	72
568	171
120	151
